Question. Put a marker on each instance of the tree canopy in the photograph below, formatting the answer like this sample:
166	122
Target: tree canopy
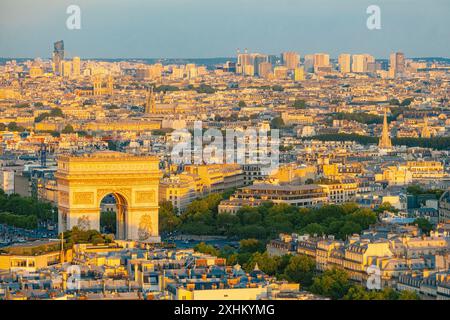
266	221
24	212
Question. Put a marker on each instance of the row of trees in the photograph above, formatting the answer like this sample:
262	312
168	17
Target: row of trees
77	235
406	102
360	117
251	252
12	126
266	221
336	284
19	221
25	212
439	143
418	190
202	88
55	112
300	104
234	117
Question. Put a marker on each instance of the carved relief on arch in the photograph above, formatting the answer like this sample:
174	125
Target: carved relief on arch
84	223
86	198
145	227
145	196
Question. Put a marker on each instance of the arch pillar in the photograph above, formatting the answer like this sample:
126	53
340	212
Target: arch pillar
143	224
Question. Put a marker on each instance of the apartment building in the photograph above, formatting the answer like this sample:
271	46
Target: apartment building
393	252
426	169
341	191
294	173
296	195
180	190
395	175
217	178
360	254
444	207
197	181
254	172
428	285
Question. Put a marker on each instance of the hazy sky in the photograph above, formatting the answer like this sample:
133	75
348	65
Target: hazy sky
216	28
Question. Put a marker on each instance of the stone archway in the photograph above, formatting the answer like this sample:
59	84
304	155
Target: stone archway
121	211
83	181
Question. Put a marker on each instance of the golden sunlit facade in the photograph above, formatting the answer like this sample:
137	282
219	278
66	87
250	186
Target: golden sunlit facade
83	181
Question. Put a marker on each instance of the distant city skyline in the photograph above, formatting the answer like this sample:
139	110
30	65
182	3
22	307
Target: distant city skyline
209	29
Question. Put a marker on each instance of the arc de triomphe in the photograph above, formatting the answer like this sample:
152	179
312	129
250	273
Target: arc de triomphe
84	180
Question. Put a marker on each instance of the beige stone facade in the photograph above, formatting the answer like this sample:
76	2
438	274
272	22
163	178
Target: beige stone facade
83	181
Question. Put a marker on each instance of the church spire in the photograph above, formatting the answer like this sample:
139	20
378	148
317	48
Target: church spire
385	140
150	104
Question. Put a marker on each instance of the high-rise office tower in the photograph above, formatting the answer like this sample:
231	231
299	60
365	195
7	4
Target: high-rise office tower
66	69
370	63
299	74
58	56
397	65
321	60
359	63
309	63
344	62
243	60
76	66
369	58
258	60
264	69
372	67
248	63
274	59
291	60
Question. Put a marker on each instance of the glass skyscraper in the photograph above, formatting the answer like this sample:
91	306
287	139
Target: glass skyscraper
58	55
